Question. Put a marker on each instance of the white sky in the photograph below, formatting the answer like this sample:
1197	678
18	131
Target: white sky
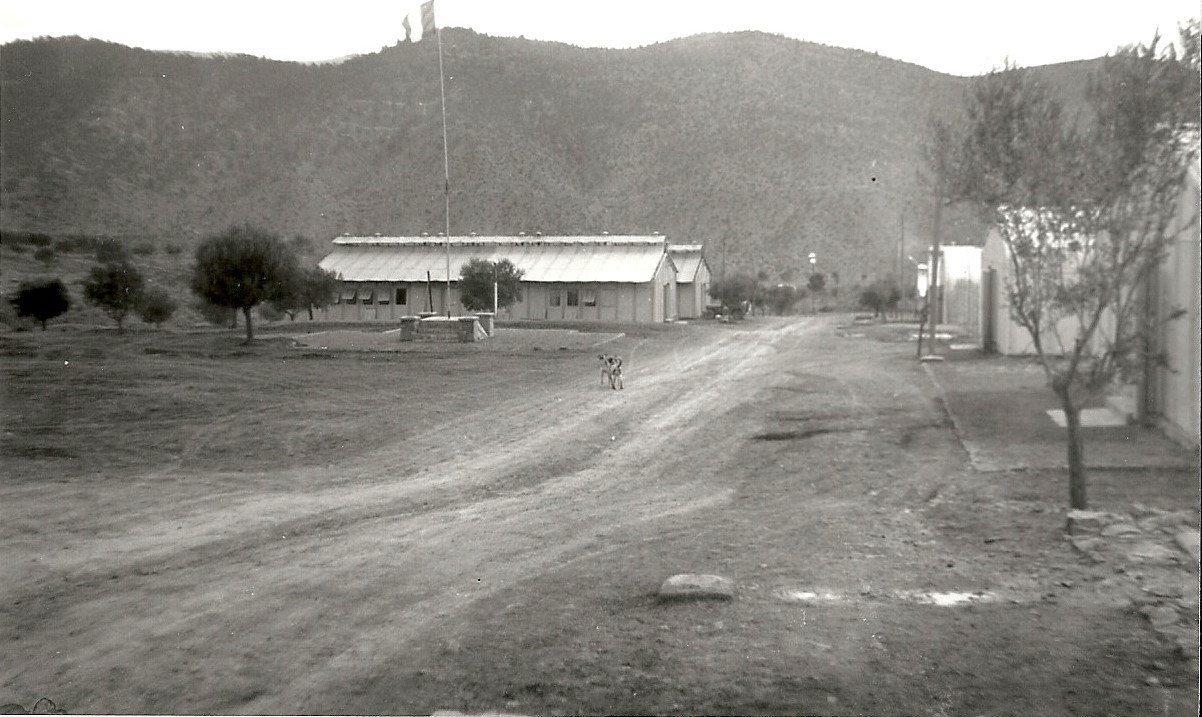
962	37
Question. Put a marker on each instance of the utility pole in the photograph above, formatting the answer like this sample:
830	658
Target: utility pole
901	261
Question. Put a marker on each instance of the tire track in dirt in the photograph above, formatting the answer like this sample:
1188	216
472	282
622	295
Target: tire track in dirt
211	553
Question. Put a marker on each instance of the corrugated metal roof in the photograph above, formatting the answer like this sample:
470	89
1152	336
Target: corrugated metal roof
687	258
592	259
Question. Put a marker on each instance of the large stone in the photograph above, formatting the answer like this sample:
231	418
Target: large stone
697	587
1188	540
1087	522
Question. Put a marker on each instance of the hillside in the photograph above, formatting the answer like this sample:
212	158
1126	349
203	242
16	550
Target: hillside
763	148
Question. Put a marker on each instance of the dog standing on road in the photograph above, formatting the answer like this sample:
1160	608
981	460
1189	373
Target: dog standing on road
611	370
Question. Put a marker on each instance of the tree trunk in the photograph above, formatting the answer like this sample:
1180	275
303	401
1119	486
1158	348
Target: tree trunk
250	332
1076	455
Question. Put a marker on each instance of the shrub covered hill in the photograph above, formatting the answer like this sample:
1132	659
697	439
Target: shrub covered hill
761	147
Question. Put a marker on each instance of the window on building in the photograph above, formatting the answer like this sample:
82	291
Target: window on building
588	297
553	298
366	295
573	297
384	295
402	295
348	295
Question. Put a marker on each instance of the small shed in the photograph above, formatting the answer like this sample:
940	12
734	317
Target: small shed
603	278
692	279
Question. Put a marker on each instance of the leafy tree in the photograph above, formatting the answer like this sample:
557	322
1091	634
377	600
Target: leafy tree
734	292
320	289
880	296
40	240
42	301
308	289
476	284
241	269
116	289
45	254
1086	212
816	283
156	306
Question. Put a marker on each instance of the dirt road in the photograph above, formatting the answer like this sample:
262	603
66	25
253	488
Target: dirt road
504	557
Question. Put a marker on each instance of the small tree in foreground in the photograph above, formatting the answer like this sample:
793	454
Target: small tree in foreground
1086	213
241	269
116	289
42	301
476	284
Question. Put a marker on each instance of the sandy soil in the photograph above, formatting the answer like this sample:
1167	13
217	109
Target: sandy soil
401	532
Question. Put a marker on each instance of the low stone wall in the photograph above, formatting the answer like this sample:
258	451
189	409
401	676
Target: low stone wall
461	329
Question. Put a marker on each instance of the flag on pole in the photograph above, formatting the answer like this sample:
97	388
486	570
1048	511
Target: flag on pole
427	17
422	16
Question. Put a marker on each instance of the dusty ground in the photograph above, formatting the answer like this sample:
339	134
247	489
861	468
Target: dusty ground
196	527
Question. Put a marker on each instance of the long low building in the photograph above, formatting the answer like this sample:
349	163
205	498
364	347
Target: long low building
605	278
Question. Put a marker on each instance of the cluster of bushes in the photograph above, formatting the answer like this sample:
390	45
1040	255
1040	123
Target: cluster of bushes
238	270
47	248
741	293
117	288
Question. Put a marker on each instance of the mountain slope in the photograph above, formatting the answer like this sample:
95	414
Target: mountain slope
763	148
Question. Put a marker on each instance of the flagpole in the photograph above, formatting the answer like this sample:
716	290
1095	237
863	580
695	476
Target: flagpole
446	166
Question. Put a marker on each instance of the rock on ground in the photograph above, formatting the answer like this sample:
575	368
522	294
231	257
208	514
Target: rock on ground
697	587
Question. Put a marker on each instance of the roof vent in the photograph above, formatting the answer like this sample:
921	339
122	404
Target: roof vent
604	234
521	234
538	234
473	233
425	234
377	234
